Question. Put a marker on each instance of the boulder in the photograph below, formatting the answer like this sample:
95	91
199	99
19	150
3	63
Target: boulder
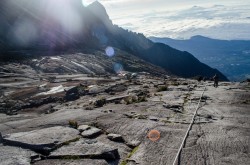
71	96
92	132
82	128
115	137
75	93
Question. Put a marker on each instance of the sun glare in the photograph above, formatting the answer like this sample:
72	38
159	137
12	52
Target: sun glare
87	2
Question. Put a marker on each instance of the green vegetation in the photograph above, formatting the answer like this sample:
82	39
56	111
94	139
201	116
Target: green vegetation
141	116
162	88
186	98
70	141
100	102
166	121
141	99
134	99
89	107
124	162
175	83
73	124
130	99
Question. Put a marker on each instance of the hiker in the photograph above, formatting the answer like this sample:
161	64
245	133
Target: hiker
204	78
216	80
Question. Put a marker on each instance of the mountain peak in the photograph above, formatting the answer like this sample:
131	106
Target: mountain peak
99	10
97	7
199	37
97	3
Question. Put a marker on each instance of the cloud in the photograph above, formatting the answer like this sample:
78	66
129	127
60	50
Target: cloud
216	21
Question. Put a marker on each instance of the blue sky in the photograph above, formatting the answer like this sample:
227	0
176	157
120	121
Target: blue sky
182	19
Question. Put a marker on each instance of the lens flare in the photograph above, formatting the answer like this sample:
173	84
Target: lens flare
110	51
154	135
24	32
87	2
118	68
71	21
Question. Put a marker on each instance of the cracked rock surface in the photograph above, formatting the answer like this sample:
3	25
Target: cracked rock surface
117	130
15	155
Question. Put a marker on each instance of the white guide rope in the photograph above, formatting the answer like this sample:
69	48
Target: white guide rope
189	128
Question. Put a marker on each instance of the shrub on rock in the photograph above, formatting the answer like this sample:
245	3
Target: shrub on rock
73	124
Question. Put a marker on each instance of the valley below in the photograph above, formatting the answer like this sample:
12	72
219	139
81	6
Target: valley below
229	57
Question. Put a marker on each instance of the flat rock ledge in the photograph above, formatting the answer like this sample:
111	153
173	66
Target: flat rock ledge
85	148
43	140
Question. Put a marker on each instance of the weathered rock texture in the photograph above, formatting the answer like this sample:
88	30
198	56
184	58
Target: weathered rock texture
117	132
43	140
15	155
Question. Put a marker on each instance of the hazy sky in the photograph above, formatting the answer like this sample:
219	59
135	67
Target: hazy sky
223	19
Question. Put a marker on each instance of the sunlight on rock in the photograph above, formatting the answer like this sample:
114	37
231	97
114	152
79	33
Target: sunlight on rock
110	51
87	2
118	67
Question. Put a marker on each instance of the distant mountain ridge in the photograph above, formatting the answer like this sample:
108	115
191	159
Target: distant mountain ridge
231	57
74	27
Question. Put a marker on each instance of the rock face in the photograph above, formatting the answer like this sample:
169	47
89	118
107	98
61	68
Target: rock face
120	132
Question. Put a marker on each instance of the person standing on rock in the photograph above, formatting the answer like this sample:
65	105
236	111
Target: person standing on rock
216	80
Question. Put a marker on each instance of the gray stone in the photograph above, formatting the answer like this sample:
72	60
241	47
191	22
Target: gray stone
222	138
82	128
14	155
82	149
72	162
43	140
115	137
92	132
